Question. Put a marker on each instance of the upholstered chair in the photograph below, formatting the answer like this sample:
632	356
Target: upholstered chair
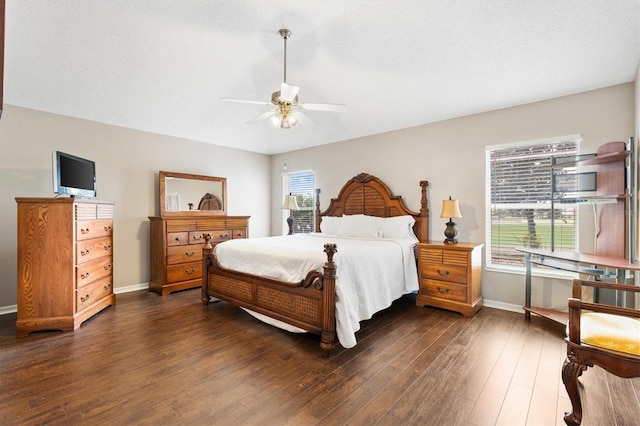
603	335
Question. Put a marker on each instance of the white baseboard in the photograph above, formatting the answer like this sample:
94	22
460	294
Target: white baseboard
8	309
118	290
130	288
144	286
503	306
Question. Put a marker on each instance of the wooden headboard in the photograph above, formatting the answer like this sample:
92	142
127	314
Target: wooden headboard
366	194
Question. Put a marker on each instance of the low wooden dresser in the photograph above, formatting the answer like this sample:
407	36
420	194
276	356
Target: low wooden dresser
450	276
65	262
176	248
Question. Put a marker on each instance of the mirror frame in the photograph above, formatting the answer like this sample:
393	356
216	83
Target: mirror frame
165	213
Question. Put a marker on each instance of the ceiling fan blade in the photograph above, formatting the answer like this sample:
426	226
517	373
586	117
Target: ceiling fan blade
303	119
288	92
261	117
324	107
245	101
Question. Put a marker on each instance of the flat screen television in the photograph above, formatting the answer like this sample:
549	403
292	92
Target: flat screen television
73	175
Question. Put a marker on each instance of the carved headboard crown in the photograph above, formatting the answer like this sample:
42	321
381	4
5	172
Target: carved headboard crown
367	194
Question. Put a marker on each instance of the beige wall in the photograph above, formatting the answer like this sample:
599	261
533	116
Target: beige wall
127	165
450	155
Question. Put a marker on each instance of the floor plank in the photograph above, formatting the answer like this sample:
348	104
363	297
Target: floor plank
171	361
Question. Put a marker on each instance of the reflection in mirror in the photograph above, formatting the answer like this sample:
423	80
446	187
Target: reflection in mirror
182	194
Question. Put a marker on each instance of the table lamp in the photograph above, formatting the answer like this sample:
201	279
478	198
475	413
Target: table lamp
291	204
450	209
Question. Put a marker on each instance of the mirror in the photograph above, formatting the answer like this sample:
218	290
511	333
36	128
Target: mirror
183	194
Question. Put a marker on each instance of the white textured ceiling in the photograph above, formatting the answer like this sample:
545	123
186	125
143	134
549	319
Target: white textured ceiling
162	65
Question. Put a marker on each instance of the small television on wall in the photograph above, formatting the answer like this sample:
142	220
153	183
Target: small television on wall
73	175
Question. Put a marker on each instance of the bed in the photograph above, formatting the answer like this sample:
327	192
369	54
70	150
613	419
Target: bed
305	299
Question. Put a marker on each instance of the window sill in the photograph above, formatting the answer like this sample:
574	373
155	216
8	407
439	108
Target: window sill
535	272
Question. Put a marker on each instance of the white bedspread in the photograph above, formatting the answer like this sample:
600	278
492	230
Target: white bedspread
371	272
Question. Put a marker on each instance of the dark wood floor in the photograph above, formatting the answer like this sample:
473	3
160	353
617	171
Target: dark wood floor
170	361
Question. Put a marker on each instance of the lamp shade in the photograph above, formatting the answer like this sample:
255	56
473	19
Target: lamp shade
290	203
450	208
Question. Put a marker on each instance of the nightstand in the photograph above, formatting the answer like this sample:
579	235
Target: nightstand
450	276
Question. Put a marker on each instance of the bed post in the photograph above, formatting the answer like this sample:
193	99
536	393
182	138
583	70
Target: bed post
328	336
207	252
423	231
318	210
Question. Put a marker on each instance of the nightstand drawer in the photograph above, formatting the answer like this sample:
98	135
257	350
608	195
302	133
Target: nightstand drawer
444	290
450	273
448	257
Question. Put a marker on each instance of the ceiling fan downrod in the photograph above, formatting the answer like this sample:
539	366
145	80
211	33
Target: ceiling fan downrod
285	34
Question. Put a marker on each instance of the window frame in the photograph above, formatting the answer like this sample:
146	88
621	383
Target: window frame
286	190
489	206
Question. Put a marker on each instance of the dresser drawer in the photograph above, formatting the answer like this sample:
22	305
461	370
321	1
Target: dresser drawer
88	295
90	271
450	273
239	233
197	237
89	250
444	290
86	230
177	238
449	257
183	254
184	272
217	236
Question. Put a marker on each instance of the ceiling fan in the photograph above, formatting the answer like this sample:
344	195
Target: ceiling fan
286	108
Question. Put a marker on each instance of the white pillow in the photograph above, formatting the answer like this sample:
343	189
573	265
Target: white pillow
398	227
330	225
360	225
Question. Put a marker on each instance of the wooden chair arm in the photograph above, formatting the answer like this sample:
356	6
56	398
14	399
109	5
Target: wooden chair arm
577	287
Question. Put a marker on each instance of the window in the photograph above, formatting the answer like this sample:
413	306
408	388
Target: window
519	200
302	185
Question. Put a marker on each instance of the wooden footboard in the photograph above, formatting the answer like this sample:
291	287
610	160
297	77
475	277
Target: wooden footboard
308	304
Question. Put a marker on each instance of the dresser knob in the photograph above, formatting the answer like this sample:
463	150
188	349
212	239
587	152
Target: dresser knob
445	291
444	274
85	275
177	239
107	228
84	252
107	267
193	253
84	231
84	298
190	271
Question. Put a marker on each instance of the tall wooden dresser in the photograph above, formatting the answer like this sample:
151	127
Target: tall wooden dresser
65	262
176	248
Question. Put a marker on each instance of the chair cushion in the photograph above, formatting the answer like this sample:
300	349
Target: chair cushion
614	332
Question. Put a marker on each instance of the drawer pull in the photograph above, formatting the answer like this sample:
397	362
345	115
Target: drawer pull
107	228
106	287
84	298
198	237
190	271
445	291
177	239
107	267
193	253
107	247
84	276
224	235
84	252
444	274
84	231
